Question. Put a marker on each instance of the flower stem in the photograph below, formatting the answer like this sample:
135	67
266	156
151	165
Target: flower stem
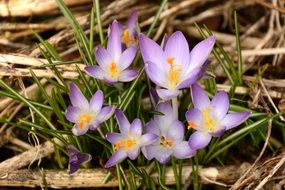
175	107
176	176
119	177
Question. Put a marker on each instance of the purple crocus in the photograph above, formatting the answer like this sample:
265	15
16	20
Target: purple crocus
170	66
113	62
170	132
210	118
86	115
128	143
129	31
76	158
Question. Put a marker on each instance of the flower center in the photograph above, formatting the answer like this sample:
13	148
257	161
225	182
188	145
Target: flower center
191	125
167	143
209	121
127	39
174	72
113	69
128	144
84	119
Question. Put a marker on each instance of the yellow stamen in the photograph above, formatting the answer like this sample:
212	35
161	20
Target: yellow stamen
170	60
209	121
191	125
166	142
84	119
127	39
113	69
174	72
125	144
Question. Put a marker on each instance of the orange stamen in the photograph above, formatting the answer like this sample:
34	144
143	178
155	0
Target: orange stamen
170	60
125	144
113	69
191	125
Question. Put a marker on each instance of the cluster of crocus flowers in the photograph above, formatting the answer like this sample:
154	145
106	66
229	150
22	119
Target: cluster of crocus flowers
210	118
171	66
129	141
113	62
76	158
86	115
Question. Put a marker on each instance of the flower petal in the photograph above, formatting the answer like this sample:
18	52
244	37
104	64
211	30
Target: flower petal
234	119
76	158
127	58
199	97
124	124
114	137
220	103
200	52
116	158
114	46
103	58
148	139
72	113
156	74
96	101
163	155
77	98
176	131
95	71
182	150
192	77
195	118
77	131
136	127
134	153
150	151
199	140
164	41
127	75
105	113
152	126
165	94
131	23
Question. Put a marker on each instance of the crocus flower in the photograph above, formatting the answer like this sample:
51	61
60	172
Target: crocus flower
170	132
170	66
113	62
76	158
210	118
86	115
129	31
128	143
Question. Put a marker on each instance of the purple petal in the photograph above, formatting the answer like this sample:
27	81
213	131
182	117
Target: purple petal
167	110
76	158
105	113
177	47
192	77
194	118
234	119
219	132
77	131
165	94
103	58
148	139
182	150
127	58
95	71
136	127
200	99
152	126
164	41
153	96
77	98
150	151
176	131
199	140
114	46
124	124
96	101
116	158
114	137
131	23
163	155
128	75
93	126
156	74
72	113
200	52
220	103
134	153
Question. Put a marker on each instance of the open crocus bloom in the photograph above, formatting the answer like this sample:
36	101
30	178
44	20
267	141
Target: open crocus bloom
113	62
170	66
76	158
128	143
210	118
86	115
170	132
129	31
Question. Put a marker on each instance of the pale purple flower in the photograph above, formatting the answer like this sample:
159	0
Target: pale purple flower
113	61
129	31
86	115
170	132
129	141
210	118
76	158
171	66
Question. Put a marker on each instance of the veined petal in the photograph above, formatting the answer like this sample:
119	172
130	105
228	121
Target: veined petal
167	110
148	139
114	137
192	77
156	74
72	113
234	119
152	127
182	150
150	151
199	140
136	127
165	94
103	58
105	113
134	153
77	98
220	103
77	131
96	101
114	46
163	155
200	52
116	158
176	131
200	99
177	48
194	118
128	75
123	122
127	58
95	71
